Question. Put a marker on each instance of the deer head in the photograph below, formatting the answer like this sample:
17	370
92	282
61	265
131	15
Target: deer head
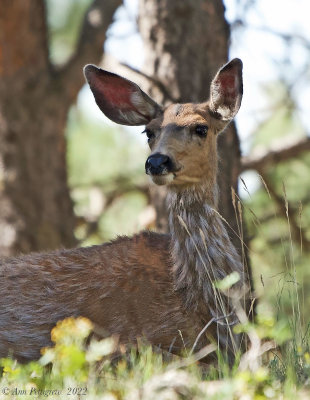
182	137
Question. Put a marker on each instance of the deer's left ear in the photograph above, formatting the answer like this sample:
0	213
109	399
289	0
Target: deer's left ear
226	91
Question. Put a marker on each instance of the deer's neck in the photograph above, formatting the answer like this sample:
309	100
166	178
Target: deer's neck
201	250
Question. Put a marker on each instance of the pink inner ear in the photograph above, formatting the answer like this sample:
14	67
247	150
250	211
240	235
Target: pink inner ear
117	92
228	83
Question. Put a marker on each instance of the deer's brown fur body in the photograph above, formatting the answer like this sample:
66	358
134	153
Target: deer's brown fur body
128	292
160	287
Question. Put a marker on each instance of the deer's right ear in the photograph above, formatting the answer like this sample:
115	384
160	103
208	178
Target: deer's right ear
120	99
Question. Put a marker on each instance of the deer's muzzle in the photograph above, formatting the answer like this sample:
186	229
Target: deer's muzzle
158	164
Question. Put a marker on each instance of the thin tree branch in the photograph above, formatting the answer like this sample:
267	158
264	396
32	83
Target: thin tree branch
271	157
167	95
123	187
97	20
288	37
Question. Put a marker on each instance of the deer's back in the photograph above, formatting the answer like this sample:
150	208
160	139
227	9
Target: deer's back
125	287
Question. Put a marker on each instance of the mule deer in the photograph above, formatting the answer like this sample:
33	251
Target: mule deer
157	286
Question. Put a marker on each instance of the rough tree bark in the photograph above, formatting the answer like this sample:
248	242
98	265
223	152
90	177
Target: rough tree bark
185	43
35	206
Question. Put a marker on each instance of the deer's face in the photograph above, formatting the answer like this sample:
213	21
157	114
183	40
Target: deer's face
183	145
182	137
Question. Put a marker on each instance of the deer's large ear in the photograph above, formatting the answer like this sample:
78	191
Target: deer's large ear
226	90
120	99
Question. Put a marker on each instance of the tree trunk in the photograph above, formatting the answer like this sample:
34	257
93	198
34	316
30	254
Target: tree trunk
35	205
185	43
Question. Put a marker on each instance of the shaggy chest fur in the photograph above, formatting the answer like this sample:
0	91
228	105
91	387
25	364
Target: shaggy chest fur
202	254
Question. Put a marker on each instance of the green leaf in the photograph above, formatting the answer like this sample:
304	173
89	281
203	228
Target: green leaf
228	281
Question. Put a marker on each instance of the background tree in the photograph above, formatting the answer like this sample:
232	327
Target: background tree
35	206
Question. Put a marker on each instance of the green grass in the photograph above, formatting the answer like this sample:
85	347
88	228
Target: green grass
102	369
276	365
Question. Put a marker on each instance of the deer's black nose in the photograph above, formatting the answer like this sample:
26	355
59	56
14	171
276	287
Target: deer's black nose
158	164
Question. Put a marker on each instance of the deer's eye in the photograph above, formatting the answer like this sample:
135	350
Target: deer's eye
149	134
201	130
